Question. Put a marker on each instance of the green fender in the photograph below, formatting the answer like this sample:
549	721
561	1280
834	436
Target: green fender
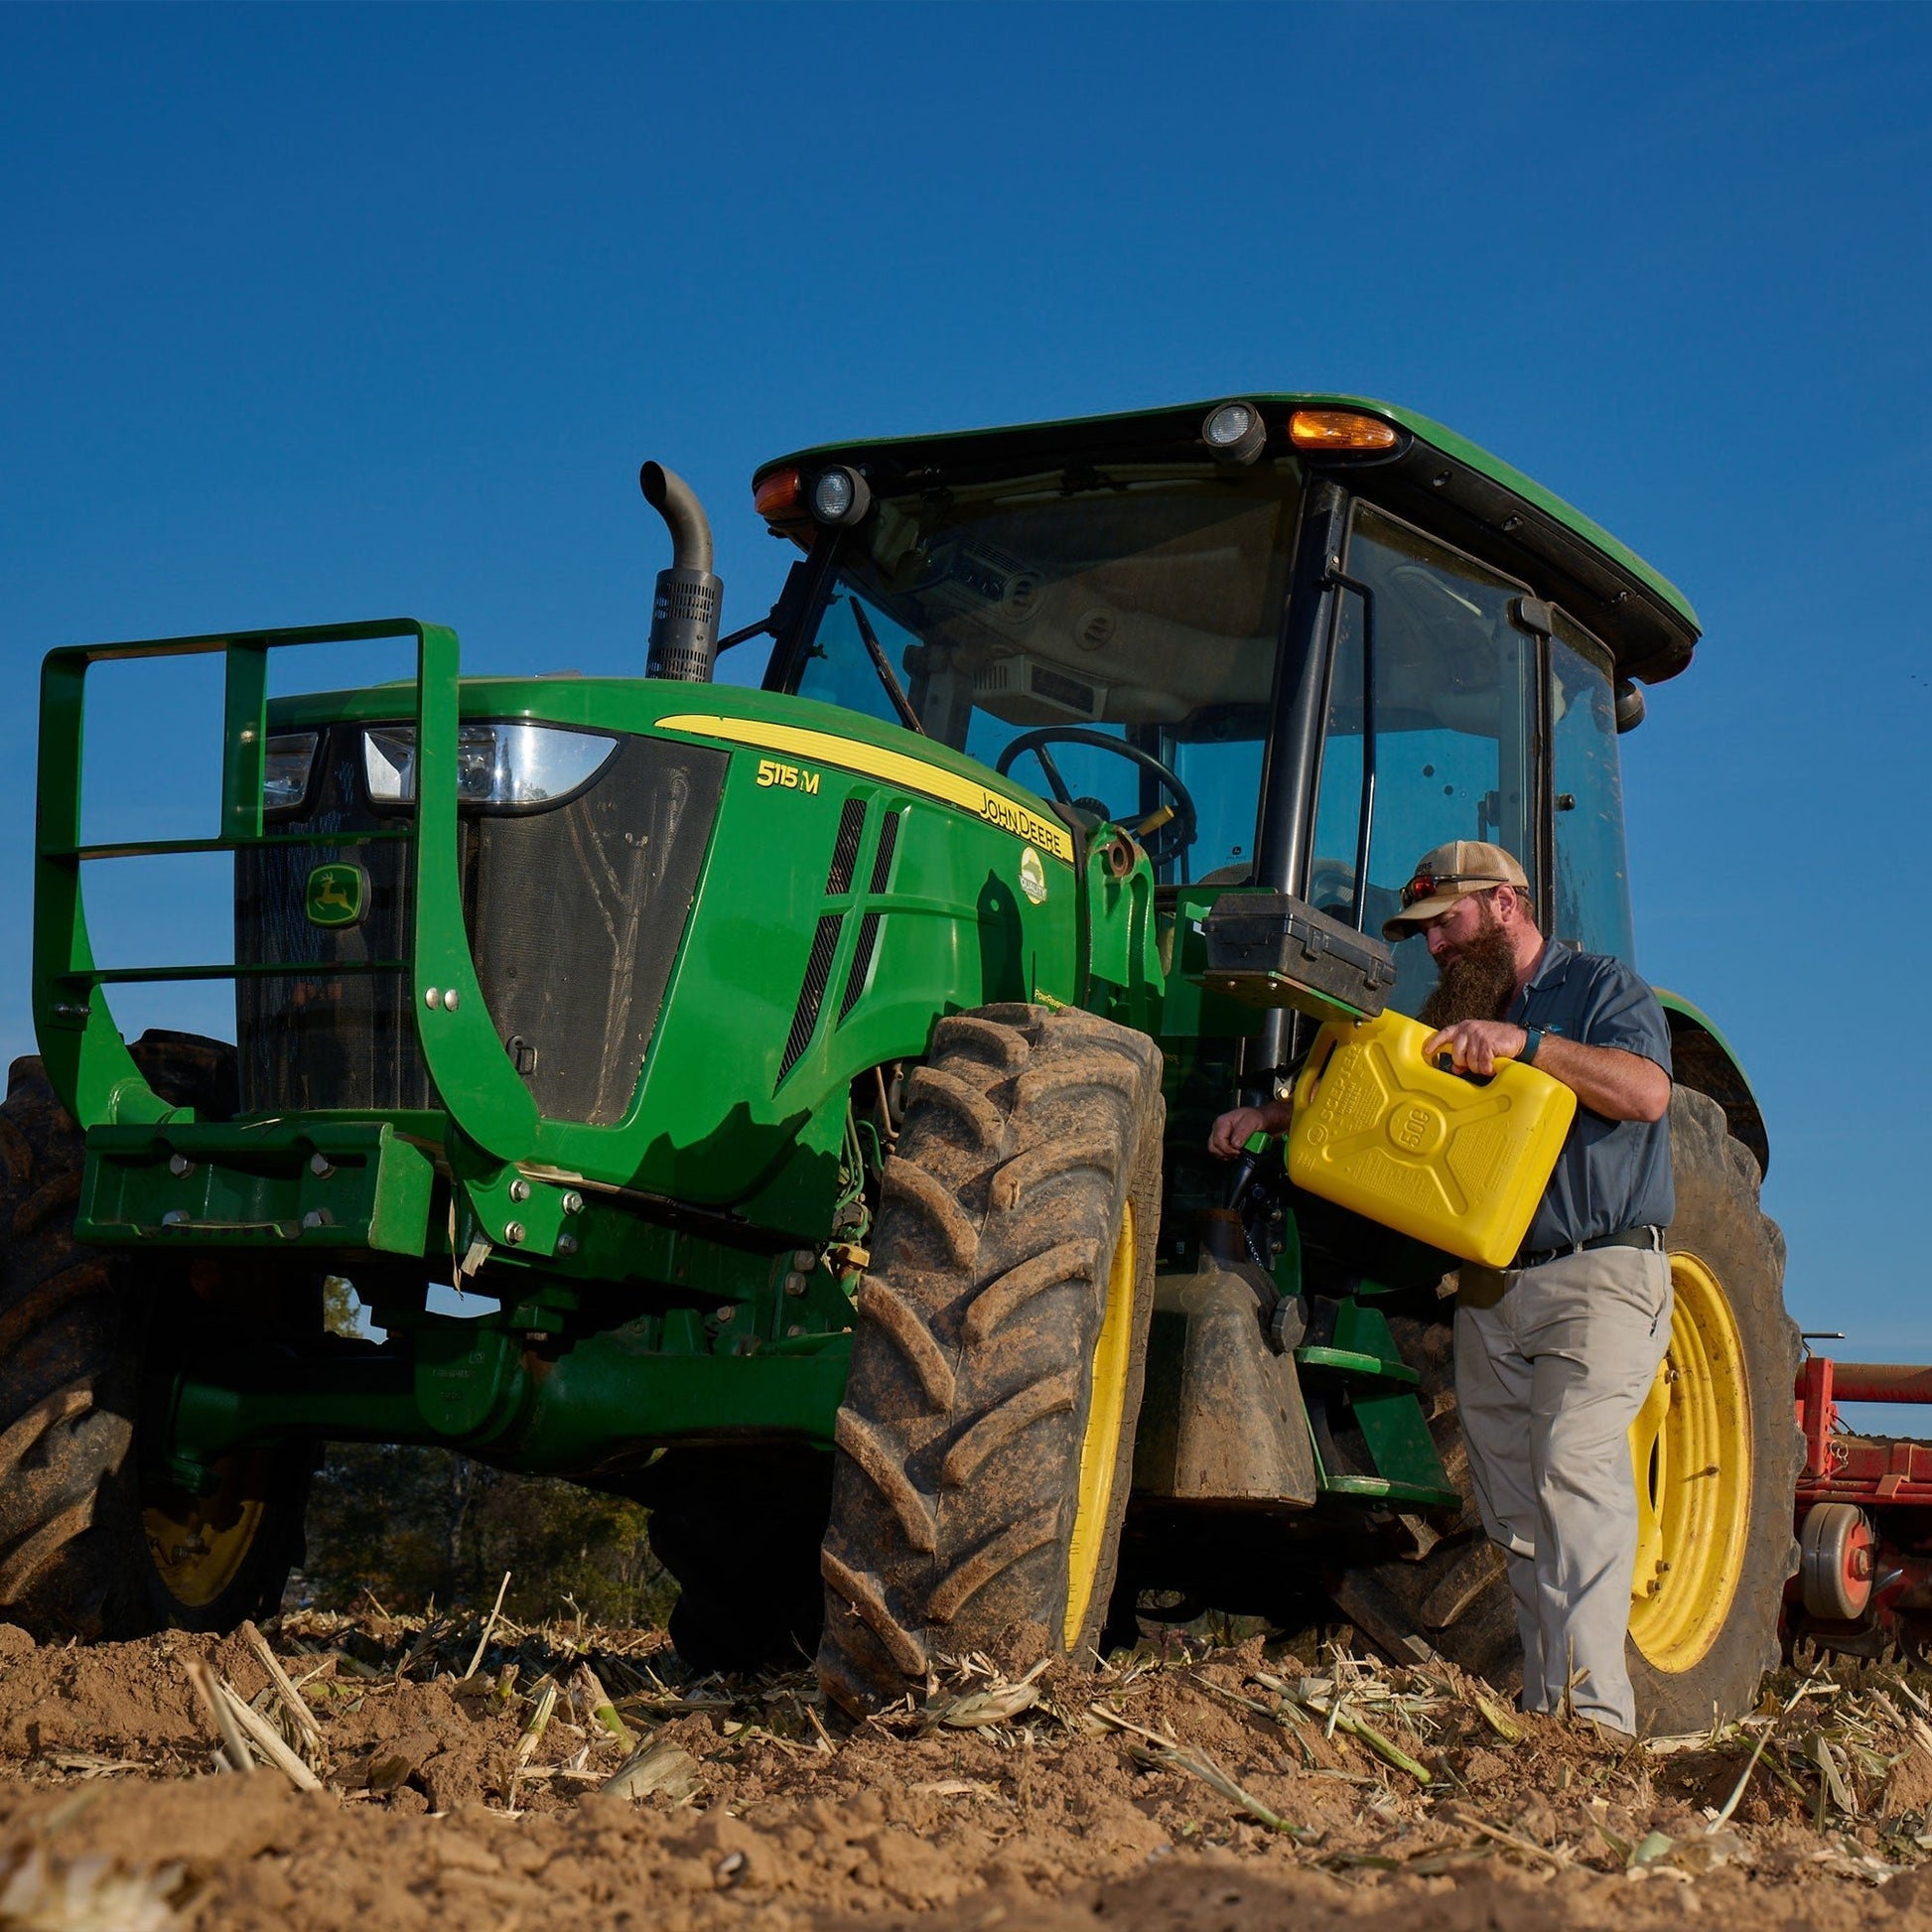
1702	1057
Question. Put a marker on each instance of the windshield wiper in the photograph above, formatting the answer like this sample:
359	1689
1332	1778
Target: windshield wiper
882	665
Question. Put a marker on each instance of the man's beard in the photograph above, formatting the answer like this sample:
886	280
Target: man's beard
1477	983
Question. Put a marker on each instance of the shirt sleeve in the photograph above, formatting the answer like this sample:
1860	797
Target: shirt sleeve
1623	1012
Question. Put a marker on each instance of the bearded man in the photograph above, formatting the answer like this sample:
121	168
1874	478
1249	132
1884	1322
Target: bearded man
1555	1353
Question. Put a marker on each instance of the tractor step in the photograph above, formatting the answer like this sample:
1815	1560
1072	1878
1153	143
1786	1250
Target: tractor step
1354	1374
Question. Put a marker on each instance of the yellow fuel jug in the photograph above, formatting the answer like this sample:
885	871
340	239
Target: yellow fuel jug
1457	1163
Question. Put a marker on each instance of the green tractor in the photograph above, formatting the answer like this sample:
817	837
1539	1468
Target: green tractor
812	1082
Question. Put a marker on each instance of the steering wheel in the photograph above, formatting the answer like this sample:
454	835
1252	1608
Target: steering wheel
1167	841
1331	890
1331	887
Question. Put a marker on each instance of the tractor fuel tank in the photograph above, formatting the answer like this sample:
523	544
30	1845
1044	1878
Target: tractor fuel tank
1221	1419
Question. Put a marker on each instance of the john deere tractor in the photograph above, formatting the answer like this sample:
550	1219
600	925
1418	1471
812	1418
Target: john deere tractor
811	1082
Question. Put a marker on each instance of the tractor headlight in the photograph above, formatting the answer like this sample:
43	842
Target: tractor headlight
841	495
506	764
288	764
1234	432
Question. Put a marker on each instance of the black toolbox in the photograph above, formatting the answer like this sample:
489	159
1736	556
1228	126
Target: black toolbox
1271	949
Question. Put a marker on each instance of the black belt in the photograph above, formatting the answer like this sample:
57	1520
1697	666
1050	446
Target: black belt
1651	1238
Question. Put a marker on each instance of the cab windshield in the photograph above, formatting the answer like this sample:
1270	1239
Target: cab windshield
1039	624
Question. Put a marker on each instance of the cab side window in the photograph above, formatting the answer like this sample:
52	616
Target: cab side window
1592	884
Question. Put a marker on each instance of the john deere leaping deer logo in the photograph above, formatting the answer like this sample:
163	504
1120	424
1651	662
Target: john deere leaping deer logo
336	894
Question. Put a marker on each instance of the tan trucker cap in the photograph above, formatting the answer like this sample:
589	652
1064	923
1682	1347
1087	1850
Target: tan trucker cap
1449	873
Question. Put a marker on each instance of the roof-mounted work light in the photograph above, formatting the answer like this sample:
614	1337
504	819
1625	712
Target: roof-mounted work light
1234	432
840	495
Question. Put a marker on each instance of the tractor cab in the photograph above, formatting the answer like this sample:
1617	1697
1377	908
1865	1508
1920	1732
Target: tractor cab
1292	642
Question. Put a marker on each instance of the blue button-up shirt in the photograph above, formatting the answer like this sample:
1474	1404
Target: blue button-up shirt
1611	1174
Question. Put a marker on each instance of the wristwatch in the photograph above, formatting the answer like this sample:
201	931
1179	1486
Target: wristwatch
1532	1039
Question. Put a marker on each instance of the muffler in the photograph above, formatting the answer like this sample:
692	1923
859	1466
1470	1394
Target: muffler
684	610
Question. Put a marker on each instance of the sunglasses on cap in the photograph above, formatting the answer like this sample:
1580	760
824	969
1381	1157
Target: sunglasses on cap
1426	883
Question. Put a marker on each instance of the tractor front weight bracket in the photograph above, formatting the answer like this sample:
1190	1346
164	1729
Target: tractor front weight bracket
319	1183
520	1213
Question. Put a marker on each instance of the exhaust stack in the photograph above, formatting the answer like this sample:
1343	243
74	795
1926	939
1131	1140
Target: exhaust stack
684	612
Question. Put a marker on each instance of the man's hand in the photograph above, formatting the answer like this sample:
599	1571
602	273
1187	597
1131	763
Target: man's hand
1236	1128
1475	1045
1609	1080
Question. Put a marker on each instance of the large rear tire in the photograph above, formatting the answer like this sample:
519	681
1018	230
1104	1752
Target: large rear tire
1716	1452
1716	1456
986	1438
89	1547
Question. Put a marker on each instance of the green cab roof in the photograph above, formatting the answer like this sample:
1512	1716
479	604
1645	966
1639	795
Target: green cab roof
1438	479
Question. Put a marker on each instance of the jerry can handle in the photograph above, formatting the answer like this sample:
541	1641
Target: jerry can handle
1445	1063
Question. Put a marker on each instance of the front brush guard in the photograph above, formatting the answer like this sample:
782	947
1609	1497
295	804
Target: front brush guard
85	1059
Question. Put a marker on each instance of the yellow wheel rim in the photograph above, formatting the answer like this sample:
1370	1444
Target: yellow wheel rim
1100	1447
1691	1454
200	1543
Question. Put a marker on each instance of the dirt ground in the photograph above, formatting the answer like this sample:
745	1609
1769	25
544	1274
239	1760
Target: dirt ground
1213	1788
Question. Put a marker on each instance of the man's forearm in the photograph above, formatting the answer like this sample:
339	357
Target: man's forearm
1607	1079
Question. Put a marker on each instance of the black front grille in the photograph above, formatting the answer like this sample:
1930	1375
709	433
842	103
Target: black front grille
328	1041
575	914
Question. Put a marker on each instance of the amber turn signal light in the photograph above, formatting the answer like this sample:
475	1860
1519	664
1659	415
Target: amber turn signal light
777	494
1339	429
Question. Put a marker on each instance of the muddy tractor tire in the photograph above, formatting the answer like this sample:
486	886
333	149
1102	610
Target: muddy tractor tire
91	1546
1718	1451
1716	1456
1453	1599
985	1444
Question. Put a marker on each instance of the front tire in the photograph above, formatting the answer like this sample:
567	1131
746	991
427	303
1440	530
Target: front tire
89	1547
986	1438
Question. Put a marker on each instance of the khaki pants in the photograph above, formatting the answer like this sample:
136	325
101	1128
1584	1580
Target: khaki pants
1552	1365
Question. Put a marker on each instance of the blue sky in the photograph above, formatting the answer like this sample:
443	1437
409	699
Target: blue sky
322	313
